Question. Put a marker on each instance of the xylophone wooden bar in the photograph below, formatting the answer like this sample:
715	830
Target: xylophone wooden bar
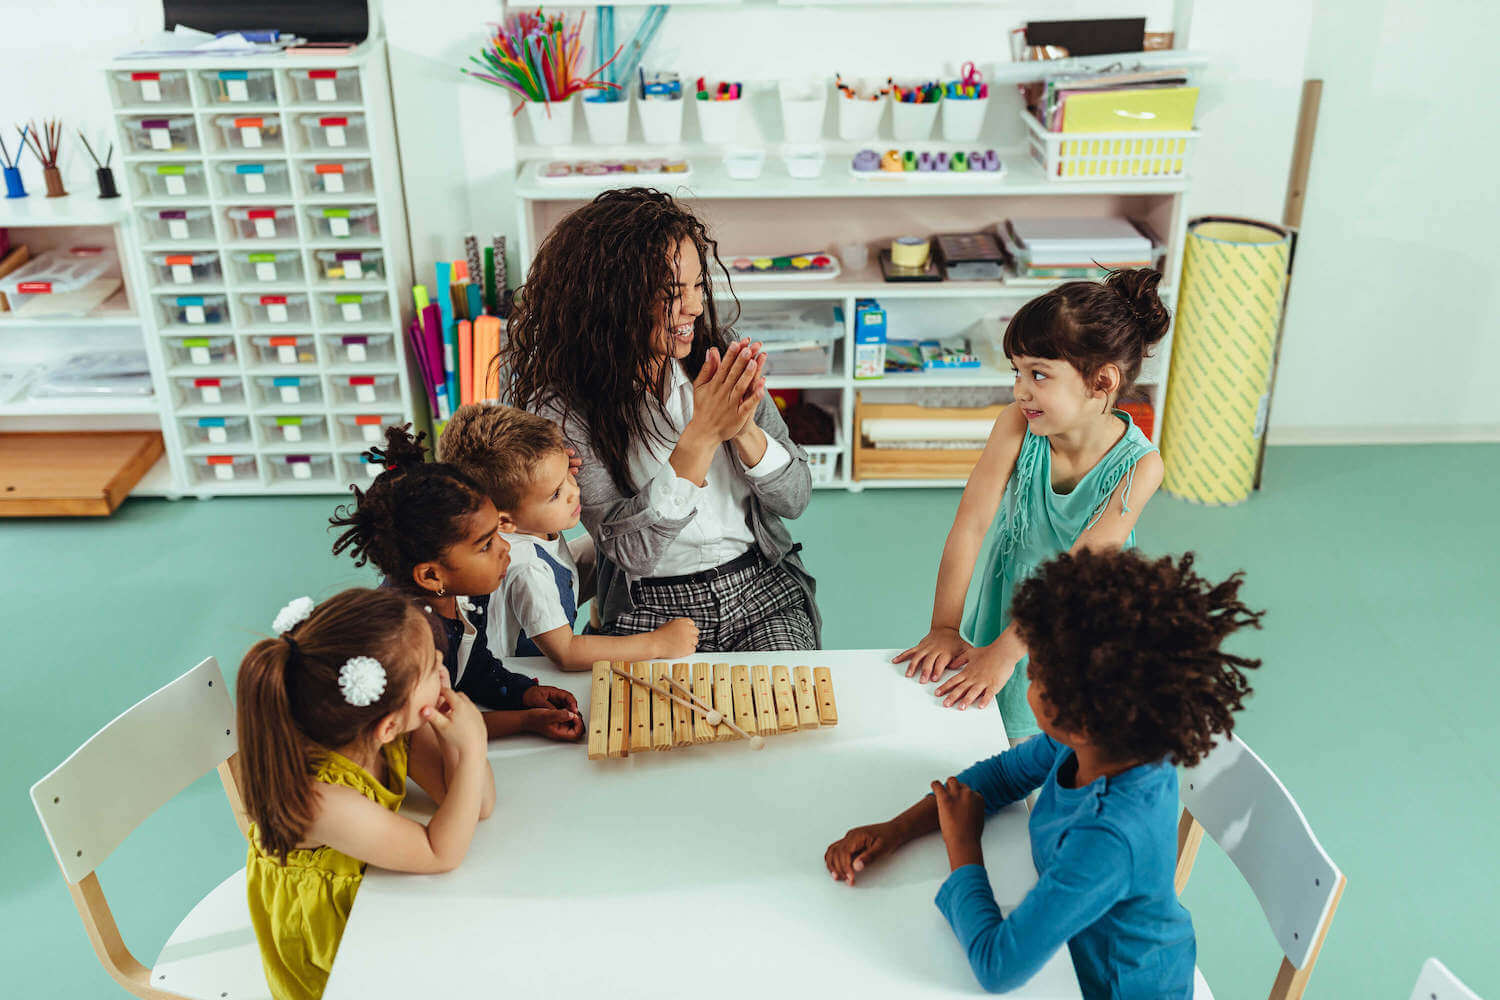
661	712
807	702
744	701
640	709
703	689
723	702
619	716
599	721
786	704
828	713
682	718
765	702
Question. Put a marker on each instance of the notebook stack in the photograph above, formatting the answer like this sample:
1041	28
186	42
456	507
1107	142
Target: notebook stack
1062	249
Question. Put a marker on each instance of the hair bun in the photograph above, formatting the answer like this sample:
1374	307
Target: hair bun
1137	286
401	448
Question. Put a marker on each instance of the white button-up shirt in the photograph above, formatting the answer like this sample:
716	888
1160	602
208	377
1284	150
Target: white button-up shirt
719	531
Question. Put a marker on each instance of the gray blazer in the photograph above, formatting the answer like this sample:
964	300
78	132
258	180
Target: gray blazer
630	536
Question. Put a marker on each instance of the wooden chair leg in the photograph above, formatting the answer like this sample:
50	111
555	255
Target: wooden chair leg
1292	981
229	776
1189	838
104	935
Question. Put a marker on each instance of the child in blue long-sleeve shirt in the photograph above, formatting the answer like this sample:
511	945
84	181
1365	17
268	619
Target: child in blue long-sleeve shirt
1127	680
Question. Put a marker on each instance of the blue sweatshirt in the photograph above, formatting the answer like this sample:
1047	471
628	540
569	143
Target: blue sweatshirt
1106	855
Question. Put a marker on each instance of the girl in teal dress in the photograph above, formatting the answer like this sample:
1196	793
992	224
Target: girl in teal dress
1063	470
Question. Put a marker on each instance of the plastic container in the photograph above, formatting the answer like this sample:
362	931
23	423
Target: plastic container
254	177
661	120
342	223
358	469
744	164
360	348
299	468
172	180
364	428
336	176
551	121
318	86
341	131
172	134
912	122
193	310
803	104
1103	156
803	163
144	88
199	431
335	308
292	429
291	349
608	121
798	339
274	308
186	268
237	86
287	390
258	266
350	265
859	117
963	117
250	133
262	223
178	224
719	121
58	272
195	352
209	390
823	460
223	468
350	390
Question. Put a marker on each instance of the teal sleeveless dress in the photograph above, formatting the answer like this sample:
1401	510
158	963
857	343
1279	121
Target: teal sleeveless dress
1032	524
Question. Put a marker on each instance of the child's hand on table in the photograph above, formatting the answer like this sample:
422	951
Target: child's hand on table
546	696
989	669
679	637
940	650
861	846
961	818
555	724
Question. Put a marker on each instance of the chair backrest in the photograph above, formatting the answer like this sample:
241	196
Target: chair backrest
1249	813
93	800
1437	983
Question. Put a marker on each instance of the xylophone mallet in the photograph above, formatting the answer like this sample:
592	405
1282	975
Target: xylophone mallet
714	718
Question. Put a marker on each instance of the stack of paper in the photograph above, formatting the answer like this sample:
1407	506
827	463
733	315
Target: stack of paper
1075	247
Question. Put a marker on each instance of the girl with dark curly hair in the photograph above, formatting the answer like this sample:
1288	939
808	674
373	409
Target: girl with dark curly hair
1063	470
687	467
1128	679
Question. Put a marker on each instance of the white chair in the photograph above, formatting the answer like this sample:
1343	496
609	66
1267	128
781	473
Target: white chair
97	797
1248	812
1437	983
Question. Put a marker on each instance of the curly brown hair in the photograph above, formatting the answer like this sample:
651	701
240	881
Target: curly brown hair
1090	324
1127	651
498	447
582	336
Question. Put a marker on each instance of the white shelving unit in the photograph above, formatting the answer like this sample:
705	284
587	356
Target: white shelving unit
785	214
274	360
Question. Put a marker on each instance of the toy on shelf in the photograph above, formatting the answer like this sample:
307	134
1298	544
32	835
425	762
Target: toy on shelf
660	706
927	164
782	267
587	172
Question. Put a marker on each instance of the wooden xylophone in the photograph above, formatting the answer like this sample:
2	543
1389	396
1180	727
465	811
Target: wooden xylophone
626	718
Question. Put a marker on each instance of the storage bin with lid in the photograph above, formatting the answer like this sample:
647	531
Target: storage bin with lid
343	222
287	390
266	266
798	338
336	308
223	468
209	390
237	86
59	271
165	134
172	225
299	468
353	390
263	223
250	133
277	430
334	131
320	86
365	428
253	177
356	468
143	88
210	431
274	308
196	352
284	349
350	265
193	310
336	177
186	268
359	348
171	180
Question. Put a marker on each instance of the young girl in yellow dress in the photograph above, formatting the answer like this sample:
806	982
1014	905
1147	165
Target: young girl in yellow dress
334	713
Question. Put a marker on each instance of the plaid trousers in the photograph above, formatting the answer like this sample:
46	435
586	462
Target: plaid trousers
758	608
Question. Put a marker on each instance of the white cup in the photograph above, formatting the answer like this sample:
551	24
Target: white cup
963	117
912	122
802	107
719	121
859	117
661	120
608	121
551	121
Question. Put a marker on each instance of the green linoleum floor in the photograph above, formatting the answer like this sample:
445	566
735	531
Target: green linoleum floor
1376	704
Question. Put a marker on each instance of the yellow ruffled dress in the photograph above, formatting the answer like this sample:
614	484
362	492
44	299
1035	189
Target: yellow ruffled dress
299	909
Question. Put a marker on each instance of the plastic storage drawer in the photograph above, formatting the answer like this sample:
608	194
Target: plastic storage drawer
143	88
350	265
335	308
193	352
336	177
263	223
224	468
299	468
250	133
287	390
292	349
199	431
342	223
254	177
319	86
172	180
355	390
365	428
193	310
178	224
273	308
292	429
334	131
185	268
359	469
209	390
238	86
360	348
256	266
170	134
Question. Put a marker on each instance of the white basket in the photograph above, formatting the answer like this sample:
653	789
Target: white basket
823	459
1108	156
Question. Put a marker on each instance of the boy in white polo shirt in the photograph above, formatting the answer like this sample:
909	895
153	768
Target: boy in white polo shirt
521	461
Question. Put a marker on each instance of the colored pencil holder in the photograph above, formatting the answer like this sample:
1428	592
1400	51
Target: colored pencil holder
802	108
53	178
608	121
911	122
859	118
661	120
719	121
106	179
13	186
963	117
551	121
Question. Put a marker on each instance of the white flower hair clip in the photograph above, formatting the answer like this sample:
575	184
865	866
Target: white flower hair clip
362	680
294	614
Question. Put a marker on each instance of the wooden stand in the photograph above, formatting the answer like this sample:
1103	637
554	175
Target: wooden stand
73	474
914	463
